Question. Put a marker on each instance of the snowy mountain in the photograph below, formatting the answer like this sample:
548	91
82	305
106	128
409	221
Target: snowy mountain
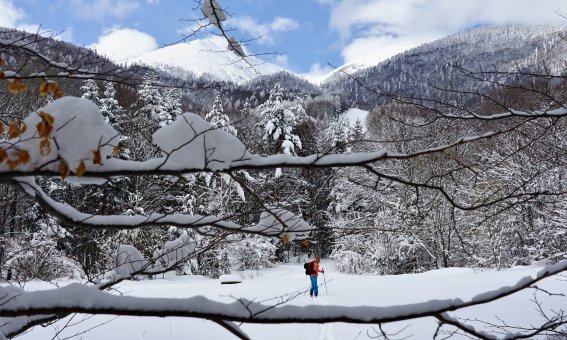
411	73
207	57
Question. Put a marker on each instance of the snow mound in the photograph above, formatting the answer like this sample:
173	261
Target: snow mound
230	279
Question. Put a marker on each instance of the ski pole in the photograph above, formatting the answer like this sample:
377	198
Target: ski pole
325	280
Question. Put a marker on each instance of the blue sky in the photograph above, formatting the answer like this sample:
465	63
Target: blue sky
312	33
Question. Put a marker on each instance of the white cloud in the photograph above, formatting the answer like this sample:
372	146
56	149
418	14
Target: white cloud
12	16
9	14
392	24
120	44
265	32
284	24
97	9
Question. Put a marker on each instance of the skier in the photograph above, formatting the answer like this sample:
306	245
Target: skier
314	269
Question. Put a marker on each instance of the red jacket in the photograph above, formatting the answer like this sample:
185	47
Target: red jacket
315	268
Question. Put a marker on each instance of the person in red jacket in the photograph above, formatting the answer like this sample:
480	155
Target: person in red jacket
313	276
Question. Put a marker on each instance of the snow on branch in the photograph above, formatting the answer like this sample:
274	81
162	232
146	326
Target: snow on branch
292	226
72	131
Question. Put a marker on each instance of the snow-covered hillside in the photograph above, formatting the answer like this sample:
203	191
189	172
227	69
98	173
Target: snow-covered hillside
340	290
411	72
207	57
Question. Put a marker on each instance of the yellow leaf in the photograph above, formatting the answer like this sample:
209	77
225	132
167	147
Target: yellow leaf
97	159
43	88
58	94
3	155
23	156
12	163
63	169
17	86
116	151
81	169
44	147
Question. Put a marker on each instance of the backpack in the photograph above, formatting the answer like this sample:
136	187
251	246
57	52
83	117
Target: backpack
308	268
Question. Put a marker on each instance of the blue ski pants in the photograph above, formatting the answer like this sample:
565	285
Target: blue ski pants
314	289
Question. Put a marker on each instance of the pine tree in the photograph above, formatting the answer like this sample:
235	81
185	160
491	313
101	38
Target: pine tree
357	131
338	134
151	101
172	103
278	123
90	92
109	106
217	117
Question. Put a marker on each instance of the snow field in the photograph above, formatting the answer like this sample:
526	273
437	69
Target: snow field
344	290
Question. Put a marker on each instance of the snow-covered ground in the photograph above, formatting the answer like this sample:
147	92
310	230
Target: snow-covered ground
353	114
343	290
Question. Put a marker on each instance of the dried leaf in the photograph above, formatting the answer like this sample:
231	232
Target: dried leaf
24	127
97	159
2	75
3	155
17	86
44	147
63	169
14	129
1	61
1	127
44	128
12	163
116	151
23	156
58	94
81	169
43	88
284	237
305	243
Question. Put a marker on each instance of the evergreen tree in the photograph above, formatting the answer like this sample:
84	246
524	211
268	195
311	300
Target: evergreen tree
151	102
278	123
217	117
172	103
91	92
109	106
357	131
338	134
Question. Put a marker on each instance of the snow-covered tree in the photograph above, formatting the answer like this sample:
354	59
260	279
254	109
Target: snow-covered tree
109	106
172	102
91	91
217	117
151	102
278	123
338	134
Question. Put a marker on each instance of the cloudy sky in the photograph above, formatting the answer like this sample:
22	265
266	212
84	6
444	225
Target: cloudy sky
312	33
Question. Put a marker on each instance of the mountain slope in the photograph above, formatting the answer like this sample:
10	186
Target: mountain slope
207	57
411	73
